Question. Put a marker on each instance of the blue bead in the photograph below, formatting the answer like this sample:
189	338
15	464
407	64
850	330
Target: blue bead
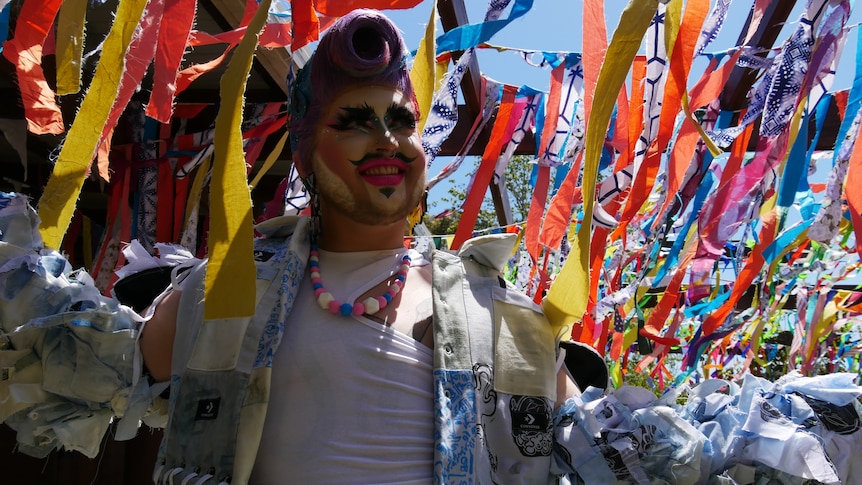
346	309
388	297
317	286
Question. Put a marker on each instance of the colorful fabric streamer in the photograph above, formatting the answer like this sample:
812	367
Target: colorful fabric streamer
231	234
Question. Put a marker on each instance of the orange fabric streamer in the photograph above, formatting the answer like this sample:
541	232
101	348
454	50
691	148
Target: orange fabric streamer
753	265
24	51
595	41
557	219
486	168
854	197
552	113
669	300
540	192
679	67
708	88
636	102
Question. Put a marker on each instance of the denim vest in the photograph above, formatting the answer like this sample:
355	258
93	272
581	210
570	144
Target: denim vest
494	371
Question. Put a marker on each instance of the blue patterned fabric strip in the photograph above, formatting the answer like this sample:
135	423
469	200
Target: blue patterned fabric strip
287	290
712	26
295	197
491	100
148	178
469	36
855	99
455	434
573	84
443	115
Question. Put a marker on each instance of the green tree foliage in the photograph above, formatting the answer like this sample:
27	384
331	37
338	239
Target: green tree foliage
518	176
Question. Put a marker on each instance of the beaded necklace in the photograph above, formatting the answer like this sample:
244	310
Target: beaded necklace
370	305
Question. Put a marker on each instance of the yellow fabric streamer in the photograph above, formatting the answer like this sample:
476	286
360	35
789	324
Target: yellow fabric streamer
423	71
270	160
70	45
566	301
230	281
61	193
195	193
440	72
672	21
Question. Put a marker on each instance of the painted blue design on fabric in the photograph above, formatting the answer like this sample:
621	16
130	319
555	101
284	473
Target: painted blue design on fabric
290	281
455	432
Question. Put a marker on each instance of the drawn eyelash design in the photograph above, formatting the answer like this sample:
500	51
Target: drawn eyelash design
400	116
363	117
353	117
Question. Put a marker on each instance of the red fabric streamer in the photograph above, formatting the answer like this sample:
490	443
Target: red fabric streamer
258	135
669	300
181	194
306	27
165	202
339	8
138	59
189	74
170	47
486	168
24	51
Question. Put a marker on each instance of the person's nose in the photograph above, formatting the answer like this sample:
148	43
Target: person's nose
386	141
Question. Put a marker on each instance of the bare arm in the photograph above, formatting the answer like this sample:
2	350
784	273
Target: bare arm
566	387
157	339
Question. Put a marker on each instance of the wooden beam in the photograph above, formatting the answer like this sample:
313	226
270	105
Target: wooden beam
276	62
735	95
456	140
453	14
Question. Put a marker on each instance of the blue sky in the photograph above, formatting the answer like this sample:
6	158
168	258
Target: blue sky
555	25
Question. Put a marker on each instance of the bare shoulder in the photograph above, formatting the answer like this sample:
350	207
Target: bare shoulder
157	338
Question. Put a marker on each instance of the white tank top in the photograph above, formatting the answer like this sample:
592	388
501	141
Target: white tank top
352	400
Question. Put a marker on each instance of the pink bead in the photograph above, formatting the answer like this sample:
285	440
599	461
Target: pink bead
358	308
334	307
392	291
318	292
382	302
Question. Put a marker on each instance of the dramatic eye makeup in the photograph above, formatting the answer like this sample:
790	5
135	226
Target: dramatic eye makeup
399	117
363	117
349	117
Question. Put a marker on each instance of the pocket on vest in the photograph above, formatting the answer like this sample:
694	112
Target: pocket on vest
523	346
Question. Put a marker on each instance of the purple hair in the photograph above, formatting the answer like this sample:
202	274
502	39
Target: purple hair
362	48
